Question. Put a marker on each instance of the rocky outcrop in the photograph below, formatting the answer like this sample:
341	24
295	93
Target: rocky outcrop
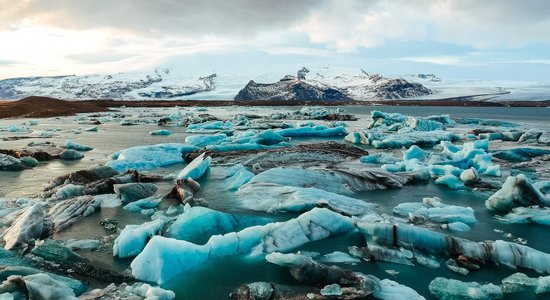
399	88
288	89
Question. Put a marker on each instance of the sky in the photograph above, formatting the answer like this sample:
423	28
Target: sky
489	39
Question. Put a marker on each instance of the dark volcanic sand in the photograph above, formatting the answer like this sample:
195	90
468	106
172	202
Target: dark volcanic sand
35	107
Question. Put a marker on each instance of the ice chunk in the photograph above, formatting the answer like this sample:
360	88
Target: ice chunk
451	181
28	227
544	138
338	257
65	213
29	161
331	290
469	176
202	140
520	154
457	226
38	286
237	176
210	126
519	282
165	258
160	132
278	198
380	158
129	192
70	154
450	289
314	131
433	210
10	163
533	214
149	292
530	137
133	238
109	200
144	206
516	191
391	290
149	157
340	181
415	152
421	239
76	146
197	224
196	168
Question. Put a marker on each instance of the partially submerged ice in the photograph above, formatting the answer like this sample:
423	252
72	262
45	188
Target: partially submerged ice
420	239
69	144
149	157
196	168
340	181
517	191
274	198
432	209
165	258
197	224
133	238
451	289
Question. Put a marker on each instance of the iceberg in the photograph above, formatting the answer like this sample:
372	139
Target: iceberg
516	191
391	290
312	131
339	181
451	181
10	163
520	154
76	146
160	132
420	239
67	212
31	225
133	238
149	157
37	286
202	140
434	210
338	257
237	176
144	206
275	198
450	289
380	158
210	126
534	214
519	282
196	168
198	224
164	258
71	154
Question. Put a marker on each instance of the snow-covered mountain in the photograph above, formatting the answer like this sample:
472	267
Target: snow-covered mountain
331	86
159	84
328	83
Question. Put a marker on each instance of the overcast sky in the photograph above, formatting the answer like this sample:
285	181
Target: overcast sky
489	39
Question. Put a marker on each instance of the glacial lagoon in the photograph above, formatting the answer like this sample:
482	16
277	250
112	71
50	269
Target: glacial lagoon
280	128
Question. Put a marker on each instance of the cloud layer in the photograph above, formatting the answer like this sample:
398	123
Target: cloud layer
79	34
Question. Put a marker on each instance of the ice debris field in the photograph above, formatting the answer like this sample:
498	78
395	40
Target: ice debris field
274	203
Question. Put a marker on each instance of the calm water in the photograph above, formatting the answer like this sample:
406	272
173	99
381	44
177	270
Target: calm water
218	278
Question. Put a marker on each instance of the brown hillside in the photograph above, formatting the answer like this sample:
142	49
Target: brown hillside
35	107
